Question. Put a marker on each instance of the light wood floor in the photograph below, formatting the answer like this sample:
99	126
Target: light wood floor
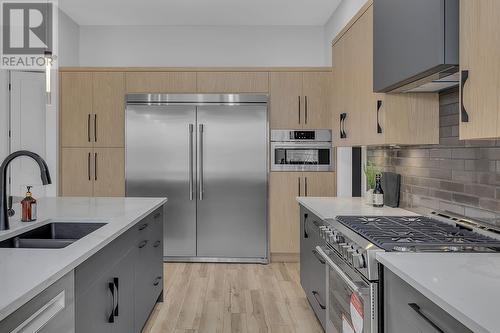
233	298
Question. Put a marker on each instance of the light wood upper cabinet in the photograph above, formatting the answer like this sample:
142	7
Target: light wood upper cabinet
161	82
109	109
109	172
233	82
76	109
480	61
286	100
76	174
317	102
300	100
373	118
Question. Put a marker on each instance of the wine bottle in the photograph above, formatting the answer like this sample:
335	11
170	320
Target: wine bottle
378	193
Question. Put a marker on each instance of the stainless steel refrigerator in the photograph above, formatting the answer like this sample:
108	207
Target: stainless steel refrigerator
208	155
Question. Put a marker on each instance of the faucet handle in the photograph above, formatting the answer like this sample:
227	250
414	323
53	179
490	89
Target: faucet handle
10	212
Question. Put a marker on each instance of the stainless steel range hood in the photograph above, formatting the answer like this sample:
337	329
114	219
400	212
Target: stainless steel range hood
416	45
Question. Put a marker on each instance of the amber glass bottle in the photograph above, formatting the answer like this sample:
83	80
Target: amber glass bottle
28	207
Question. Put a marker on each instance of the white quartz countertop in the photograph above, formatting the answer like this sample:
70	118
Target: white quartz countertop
24	273
466	285
329	208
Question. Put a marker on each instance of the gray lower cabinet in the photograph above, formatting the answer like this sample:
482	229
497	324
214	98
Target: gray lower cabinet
117	288
53	310
312	266
406	310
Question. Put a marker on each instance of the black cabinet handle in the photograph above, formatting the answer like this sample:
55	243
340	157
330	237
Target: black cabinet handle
343	134
142	227
142	244
111	318
316	297
88	166
157	243
306	234
115	282
299	109
305	107
88	127
319	257
157	281
95	128
465	115
156	216
416	308
379	128
95	166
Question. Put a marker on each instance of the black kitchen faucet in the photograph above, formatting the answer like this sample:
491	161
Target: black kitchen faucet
44	174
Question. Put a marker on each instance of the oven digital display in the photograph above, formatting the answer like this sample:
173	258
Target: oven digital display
302	135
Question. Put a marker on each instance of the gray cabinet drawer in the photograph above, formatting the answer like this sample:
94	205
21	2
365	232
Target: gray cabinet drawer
53	310
94	267
407	310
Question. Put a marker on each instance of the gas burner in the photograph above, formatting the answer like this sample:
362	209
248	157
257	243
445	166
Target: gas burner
366	220
410	219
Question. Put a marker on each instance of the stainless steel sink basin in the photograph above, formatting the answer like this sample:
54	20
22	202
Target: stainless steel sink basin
54	235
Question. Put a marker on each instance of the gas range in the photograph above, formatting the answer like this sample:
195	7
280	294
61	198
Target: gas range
357	239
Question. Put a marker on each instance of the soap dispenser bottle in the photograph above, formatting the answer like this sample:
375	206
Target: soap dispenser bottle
28	207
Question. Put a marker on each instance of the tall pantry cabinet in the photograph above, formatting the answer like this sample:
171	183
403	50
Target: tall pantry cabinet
92	138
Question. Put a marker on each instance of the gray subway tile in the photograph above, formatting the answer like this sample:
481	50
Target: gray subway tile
480	190
465	199
451	186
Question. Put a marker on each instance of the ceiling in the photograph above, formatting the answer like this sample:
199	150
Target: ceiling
199	12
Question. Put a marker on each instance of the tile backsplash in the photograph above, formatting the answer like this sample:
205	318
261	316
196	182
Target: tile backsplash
461	177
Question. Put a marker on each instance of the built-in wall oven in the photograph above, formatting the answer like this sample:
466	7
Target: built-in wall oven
352	300
301	150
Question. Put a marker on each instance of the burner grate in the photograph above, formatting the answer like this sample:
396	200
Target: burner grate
393	233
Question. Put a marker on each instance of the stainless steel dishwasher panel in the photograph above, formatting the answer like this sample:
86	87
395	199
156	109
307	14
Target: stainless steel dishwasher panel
160	162
232	173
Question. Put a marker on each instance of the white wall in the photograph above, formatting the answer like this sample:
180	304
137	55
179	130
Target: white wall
69	41
340	17
176	46
4	114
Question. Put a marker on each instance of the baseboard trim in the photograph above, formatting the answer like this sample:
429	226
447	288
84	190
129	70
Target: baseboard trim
285	257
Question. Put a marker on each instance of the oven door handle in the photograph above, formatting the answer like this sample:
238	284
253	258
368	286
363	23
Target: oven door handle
338	270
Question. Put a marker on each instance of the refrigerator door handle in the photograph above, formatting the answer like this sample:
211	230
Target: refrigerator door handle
191	168
200	159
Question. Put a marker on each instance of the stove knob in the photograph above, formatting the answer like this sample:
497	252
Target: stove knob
358	260
344	248
350	253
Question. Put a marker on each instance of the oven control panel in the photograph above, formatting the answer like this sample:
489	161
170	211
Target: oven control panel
352	253
302	135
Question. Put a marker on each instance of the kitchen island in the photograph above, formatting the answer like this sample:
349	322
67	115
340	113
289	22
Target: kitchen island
465	285
25	272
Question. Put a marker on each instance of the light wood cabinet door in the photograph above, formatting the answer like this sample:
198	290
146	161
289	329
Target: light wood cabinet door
286	100
233	82
284	214
480	59
338	88
109	109
317	106
352	77
109	172
76	172
161	82
76	109
319	184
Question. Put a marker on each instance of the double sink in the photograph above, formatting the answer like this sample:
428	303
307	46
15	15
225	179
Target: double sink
55	235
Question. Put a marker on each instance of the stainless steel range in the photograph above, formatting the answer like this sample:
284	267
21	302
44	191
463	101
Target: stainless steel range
353	302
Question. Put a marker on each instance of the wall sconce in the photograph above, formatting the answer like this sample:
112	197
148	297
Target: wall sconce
48	67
